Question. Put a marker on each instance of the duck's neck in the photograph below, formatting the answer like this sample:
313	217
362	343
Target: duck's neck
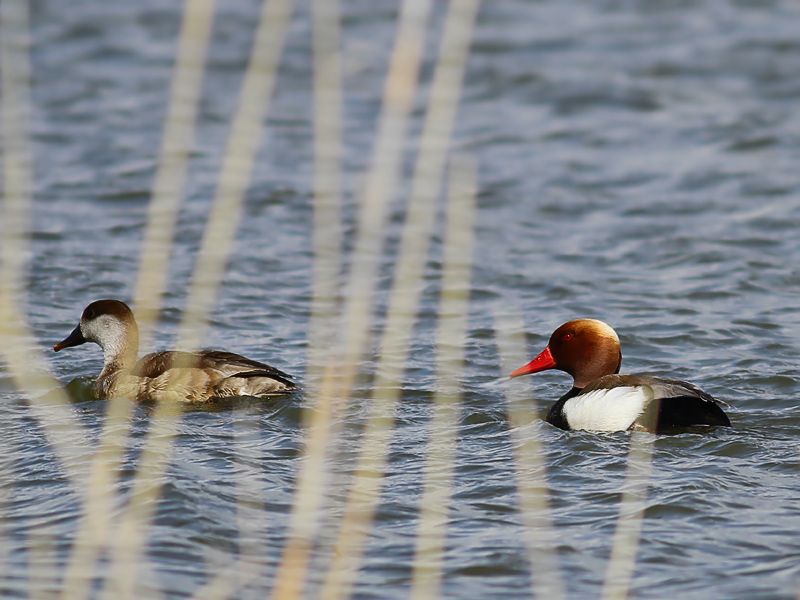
120	353
602	363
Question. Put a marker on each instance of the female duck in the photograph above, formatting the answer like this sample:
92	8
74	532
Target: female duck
602	400
166	376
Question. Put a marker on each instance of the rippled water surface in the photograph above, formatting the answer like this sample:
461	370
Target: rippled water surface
638	163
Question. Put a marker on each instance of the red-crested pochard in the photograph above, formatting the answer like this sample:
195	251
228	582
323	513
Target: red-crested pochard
602	400
166	376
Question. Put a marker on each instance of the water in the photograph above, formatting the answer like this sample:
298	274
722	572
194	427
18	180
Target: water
638	163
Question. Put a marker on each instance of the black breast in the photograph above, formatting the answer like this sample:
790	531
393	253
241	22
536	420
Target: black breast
556	415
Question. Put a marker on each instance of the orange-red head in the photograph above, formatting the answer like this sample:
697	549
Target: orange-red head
584	348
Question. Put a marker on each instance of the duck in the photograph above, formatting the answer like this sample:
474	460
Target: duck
174	376
603	400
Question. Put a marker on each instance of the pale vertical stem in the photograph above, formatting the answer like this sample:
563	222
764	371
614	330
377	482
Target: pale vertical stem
337	379
176	145
223	585
529	464
18	348
6	487
250	563
251	512
15	72
231	580
42	559
327	228
404	297
398	97
95	526
327	237
622	562
237	168
453	312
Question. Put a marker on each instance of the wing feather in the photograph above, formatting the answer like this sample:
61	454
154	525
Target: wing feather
226	364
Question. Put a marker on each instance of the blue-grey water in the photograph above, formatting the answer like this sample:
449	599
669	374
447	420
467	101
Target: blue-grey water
639	162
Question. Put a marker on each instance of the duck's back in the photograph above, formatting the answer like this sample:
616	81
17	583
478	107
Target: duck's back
208	374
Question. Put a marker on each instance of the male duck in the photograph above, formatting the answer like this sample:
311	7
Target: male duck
171	375
602	400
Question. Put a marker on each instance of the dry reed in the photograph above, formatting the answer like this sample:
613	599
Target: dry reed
452	336
96	525
403	300
243	143
49	403
353	329
345	328
627	535
540	537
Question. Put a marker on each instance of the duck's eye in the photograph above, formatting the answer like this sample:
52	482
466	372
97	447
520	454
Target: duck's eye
568	336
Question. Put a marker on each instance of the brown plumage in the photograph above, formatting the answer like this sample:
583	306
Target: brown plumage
170	375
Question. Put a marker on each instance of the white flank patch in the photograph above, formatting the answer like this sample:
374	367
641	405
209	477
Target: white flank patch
607	410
